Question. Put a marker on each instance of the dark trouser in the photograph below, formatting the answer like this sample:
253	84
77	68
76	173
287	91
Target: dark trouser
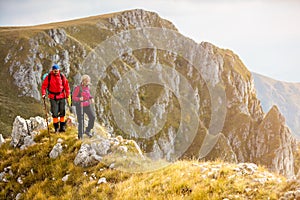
58	107
58	110
89	111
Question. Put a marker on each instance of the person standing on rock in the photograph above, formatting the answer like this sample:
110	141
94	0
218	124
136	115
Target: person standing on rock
58	89
83	101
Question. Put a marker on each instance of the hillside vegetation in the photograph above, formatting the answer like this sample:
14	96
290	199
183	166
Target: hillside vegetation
32	174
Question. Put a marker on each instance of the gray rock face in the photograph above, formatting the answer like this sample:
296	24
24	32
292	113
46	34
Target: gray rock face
86	156
93	151
58	35
24	131
273	131
91	154
2	141
27	71
56	151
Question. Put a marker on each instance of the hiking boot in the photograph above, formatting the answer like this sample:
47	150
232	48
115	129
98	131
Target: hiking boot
62	127
89	134
55	127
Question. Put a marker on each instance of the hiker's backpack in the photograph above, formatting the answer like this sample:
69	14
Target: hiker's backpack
76	103
44	76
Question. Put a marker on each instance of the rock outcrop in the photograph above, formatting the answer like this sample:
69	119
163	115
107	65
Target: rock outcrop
95	150
275	144
56	150
24	131
2	141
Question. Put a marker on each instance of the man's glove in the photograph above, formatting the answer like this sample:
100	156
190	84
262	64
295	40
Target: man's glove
44	96
69	100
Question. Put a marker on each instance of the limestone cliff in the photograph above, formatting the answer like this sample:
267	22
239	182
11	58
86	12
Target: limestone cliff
274	143
175	97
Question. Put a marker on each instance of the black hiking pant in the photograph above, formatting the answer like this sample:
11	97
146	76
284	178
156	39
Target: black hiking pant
89	111
58	107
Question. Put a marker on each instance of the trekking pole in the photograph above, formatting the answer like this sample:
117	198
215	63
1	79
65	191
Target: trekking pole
82	118
46	111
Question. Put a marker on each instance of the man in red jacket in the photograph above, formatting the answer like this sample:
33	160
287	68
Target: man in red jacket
58	89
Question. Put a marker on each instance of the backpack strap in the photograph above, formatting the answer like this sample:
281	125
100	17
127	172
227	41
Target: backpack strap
80	90
77	103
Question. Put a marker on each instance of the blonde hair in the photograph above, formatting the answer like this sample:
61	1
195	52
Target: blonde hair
85	77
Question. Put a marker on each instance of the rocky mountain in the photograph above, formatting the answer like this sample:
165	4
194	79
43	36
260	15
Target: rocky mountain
174	97
283	94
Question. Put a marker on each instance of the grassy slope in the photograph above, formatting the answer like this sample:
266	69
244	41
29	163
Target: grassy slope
42	177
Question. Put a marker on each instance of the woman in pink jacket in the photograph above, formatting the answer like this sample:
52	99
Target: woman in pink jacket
84	99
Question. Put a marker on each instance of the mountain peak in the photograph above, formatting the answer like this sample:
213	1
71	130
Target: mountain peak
275	114
282	94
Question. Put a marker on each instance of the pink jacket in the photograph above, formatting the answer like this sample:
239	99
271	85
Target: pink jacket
85	93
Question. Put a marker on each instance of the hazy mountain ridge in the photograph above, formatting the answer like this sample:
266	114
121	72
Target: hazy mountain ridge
283	94
28	53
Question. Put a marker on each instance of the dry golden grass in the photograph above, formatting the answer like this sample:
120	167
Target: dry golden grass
42	177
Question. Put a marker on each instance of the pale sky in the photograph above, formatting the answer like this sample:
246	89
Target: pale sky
265	34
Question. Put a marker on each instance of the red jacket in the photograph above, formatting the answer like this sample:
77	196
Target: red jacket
58	87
